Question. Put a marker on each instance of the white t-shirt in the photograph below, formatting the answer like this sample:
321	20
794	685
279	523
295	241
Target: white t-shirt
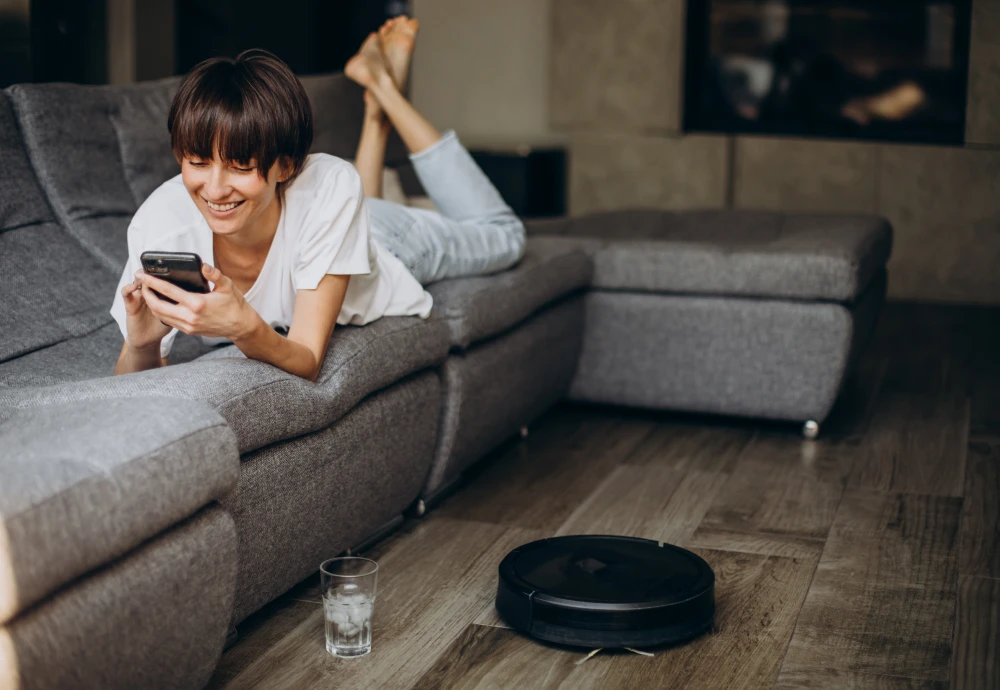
324	229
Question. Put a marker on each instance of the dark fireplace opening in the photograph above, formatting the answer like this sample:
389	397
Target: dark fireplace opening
891	70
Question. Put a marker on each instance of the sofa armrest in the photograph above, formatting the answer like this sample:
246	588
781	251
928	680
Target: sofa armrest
82	483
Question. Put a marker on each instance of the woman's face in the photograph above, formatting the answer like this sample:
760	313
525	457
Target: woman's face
232	197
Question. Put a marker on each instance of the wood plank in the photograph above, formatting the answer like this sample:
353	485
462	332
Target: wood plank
820	679
265	629
883	596
656	503
780	500
916	444
980	550
489	657
538	483
976	657
706	444
757	601
433	581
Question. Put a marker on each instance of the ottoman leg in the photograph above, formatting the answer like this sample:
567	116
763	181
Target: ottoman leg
810	430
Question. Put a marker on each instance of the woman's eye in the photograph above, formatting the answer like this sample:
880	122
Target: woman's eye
244	170
197	164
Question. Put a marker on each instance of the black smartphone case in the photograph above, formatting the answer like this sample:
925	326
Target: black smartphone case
183	269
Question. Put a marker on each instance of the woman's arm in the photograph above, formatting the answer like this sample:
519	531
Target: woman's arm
313	320
224	313
131	359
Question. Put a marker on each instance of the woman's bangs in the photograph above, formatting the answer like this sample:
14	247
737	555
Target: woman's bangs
208	126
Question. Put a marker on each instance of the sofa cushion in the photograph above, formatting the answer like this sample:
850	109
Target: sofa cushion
52	290
798	256
76	153
21	199
262	403
338	112
140	123
50	287
481	307
81	486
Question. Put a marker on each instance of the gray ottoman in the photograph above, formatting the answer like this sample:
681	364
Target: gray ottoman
741	313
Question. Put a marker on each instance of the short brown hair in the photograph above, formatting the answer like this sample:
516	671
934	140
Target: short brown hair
252	107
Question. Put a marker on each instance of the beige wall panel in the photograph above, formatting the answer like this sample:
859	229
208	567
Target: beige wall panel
617	66
944	204
622	171
481	67
983	114
804	174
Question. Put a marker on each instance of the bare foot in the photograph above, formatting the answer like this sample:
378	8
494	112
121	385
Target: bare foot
368	66
397	38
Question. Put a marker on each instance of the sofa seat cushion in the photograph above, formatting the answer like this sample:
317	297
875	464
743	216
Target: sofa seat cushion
799	256
478	308
85	482
262	403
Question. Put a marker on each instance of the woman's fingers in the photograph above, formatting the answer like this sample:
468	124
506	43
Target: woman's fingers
132	294
168	289
173	315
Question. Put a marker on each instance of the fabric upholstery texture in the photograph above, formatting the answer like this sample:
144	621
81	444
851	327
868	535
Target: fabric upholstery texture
262	403
82	486
156	618
493	389
338	111
736	253
301	502
140	123
77	157
481	307
89	356
51	289
757	358
21	199
38	310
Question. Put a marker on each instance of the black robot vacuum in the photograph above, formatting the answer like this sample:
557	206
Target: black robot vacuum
604	591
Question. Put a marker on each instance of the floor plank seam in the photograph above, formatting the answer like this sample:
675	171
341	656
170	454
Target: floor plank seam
812	579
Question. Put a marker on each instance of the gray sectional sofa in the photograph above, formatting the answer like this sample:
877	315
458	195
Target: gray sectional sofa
143	517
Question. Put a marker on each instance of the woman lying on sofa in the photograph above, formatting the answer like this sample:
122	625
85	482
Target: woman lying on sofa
300	242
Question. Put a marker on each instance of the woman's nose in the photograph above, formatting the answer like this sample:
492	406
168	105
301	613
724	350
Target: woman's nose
218	187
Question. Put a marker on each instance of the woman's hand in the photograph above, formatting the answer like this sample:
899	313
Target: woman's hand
222	313
144	328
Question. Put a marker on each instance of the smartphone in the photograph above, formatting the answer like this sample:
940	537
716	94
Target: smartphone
183	269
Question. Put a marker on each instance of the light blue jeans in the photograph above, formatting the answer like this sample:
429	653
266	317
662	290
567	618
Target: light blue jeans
475	233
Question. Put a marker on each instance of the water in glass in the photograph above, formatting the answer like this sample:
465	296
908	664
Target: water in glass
348	612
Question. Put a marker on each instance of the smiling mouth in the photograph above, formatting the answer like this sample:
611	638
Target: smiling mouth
222	208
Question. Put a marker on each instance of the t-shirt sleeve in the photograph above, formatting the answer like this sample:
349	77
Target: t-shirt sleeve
128	275
334	234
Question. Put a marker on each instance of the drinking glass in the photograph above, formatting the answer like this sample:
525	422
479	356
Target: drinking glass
348	586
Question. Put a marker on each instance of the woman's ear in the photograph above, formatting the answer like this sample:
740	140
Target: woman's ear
285	169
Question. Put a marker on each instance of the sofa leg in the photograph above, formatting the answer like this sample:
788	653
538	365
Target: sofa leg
524	432
419	508
810	430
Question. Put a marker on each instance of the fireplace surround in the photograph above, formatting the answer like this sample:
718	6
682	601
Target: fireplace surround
889	70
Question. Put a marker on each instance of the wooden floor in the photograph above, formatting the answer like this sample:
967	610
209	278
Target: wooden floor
867	559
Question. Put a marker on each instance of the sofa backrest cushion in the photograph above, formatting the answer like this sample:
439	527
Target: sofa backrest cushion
140	123
21	200
99	151
338	112
76	154
50	288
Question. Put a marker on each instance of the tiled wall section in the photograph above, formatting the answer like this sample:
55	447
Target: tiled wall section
982	118
944	202
622	170
615	65
804	175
